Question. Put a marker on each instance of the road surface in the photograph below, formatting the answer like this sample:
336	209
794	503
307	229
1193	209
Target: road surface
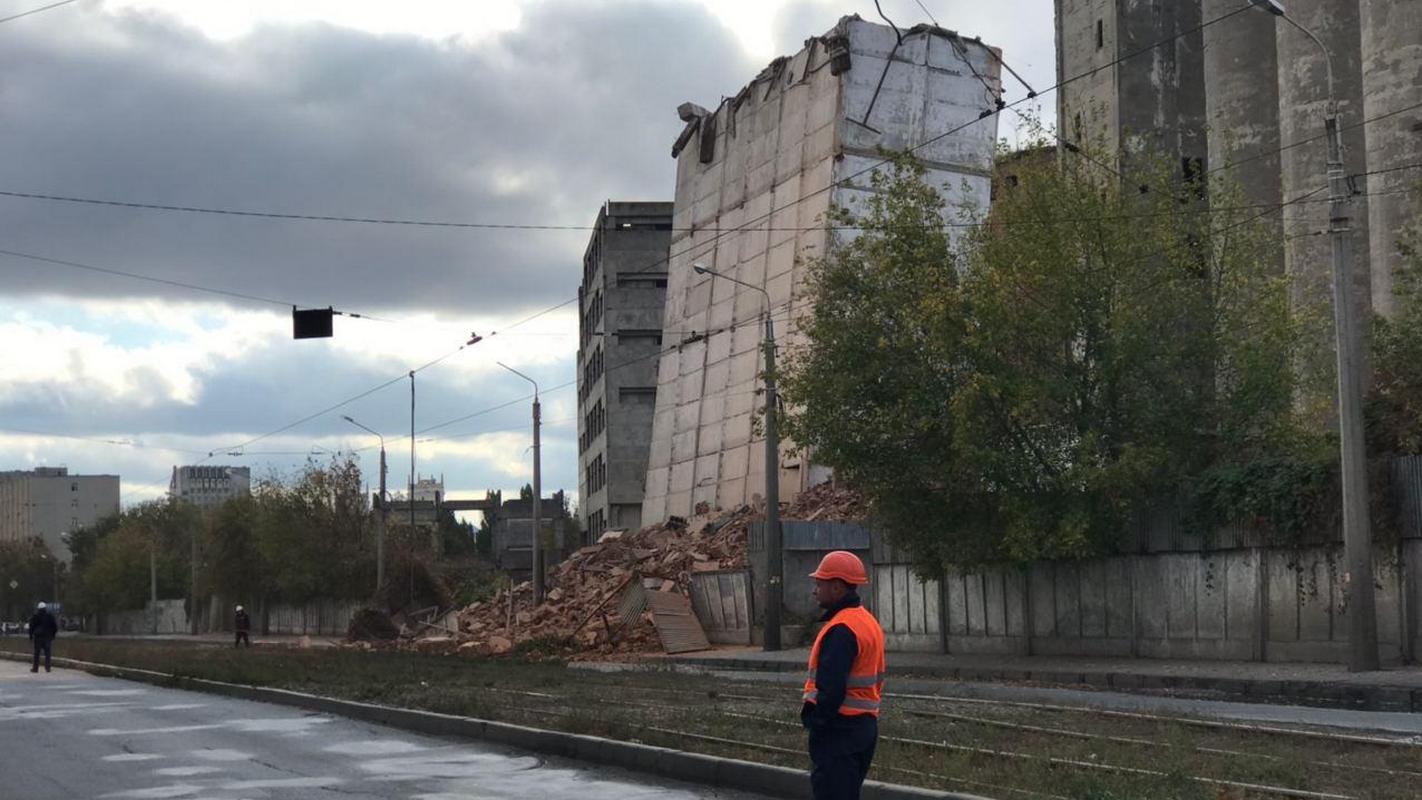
67	735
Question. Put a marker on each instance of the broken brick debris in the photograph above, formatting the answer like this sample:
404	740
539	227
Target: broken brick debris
590	611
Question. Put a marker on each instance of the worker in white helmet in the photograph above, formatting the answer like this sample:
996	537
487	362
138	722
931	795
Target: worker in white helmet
242	624
43	629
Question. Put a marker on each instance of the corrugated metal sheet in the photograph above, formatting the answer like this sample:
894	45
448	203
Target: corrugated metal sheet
676	623
722	602
1407	488
633	603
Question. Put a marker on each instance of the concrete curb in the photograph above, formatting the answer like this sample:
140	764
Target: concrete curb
1319	694
728	773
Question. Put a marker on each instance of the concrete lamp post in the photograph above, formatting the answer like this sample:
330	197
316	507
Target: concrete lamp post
537	491
775	557
384	508
1357	527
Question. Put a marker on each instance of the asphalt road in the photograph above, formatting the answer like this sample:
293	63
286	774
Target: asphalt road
68	735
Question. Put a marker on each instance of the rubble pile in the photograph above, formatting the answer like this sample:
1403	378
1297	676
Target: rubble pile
587	613
580	616
827	503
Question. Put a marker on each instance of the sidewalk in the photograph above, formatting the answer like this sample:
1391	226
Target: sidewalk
1322	685
282	639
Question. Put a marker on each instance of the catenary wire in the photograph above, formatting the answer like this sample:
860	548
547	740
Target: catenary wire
167	282
37	10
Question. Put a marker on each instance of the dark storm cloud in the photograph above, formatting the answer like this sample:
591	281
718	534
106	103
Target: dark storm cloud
538	125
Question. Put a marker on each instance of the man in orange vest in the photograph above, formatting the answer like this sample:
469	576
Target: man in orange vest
845	681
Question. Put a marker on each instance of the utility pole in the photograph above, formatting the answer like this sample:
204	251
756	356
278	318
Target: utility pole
153	582
1357	527
412	487
537	491
775	551
192	582
382	505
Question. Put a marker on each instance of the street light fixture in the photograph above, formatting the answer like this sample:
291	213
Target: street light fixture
384	508
775	557
1357	527
537	491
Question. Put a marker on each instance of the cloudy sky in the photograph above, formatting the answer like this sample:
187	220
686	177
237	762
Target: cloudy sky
522	113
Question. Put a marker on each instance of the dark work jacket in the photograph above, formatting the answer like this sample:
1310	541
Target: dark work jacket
838	649
43	625
244	622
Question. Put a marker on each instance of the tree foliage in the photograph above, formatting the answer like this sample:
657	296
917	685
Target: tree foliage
1028	386
293	540
31	567
1394	407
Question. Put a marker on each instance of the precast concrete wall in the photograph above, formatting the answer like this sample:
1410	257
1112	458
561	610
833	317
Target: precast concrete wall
754	179
317	618
164	616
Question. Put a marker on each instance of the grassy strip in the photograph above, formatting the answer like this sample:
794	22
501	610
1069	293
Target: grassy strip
651	707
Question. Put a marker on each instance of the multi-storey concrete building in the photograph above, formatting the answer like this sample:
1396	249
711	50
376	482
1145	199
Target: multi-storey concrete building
620	334
754	177
48	502
1263	86
206	487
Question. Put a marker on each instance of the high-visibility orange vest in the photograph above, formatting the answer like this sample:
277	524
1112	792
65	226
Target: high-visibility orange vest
866	674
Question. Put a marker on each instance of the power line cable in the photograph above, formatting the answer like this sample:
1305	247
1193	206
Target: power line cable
1302	142
767	215
101	440
956	129
477	225
167	282
37	10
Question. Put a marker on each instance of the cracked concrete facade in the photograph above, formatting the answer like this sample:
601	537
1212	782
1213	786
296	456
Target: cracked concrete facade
754	177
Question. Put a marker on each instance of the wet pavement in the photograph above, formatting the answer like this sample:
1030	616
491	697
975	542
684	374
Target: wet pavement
67	735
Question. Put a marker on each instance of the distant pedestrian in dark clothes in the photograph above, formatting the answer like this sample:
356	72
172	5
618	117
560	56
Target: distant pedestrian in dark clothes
43	629
845	682
243	626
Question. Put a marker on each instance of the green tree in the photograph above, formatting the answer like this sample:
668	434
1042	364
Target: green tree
1394	406
30	566
1030	388
119	575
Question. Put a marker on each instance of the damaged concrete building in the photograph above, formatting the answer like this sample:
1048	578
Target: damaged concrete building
619	335
1235	88
755	174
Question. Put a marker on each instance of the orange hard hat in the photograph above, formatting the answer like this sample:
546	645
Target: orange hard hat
843	565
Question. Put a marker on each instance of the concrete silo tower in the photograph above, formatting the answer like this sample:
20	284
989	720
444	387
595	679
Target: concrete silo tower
1392	80
1242	102
1303	98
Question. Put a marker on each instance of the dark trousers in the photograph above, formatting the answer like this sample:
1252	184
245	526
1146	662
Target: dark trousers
241	638
42	645
840	754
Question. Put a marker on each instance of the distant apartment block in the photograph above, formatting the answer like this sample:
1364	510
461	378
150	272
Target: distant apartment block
48	502
207	487
620	336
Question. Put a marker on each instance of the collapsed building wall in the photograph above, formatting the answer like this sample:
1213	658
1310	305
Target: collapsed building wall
755	176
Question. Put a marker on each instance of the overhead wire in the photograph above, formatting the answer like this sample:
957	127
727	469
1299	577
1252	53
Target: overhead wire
99	440
706	246
33	11
169	282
